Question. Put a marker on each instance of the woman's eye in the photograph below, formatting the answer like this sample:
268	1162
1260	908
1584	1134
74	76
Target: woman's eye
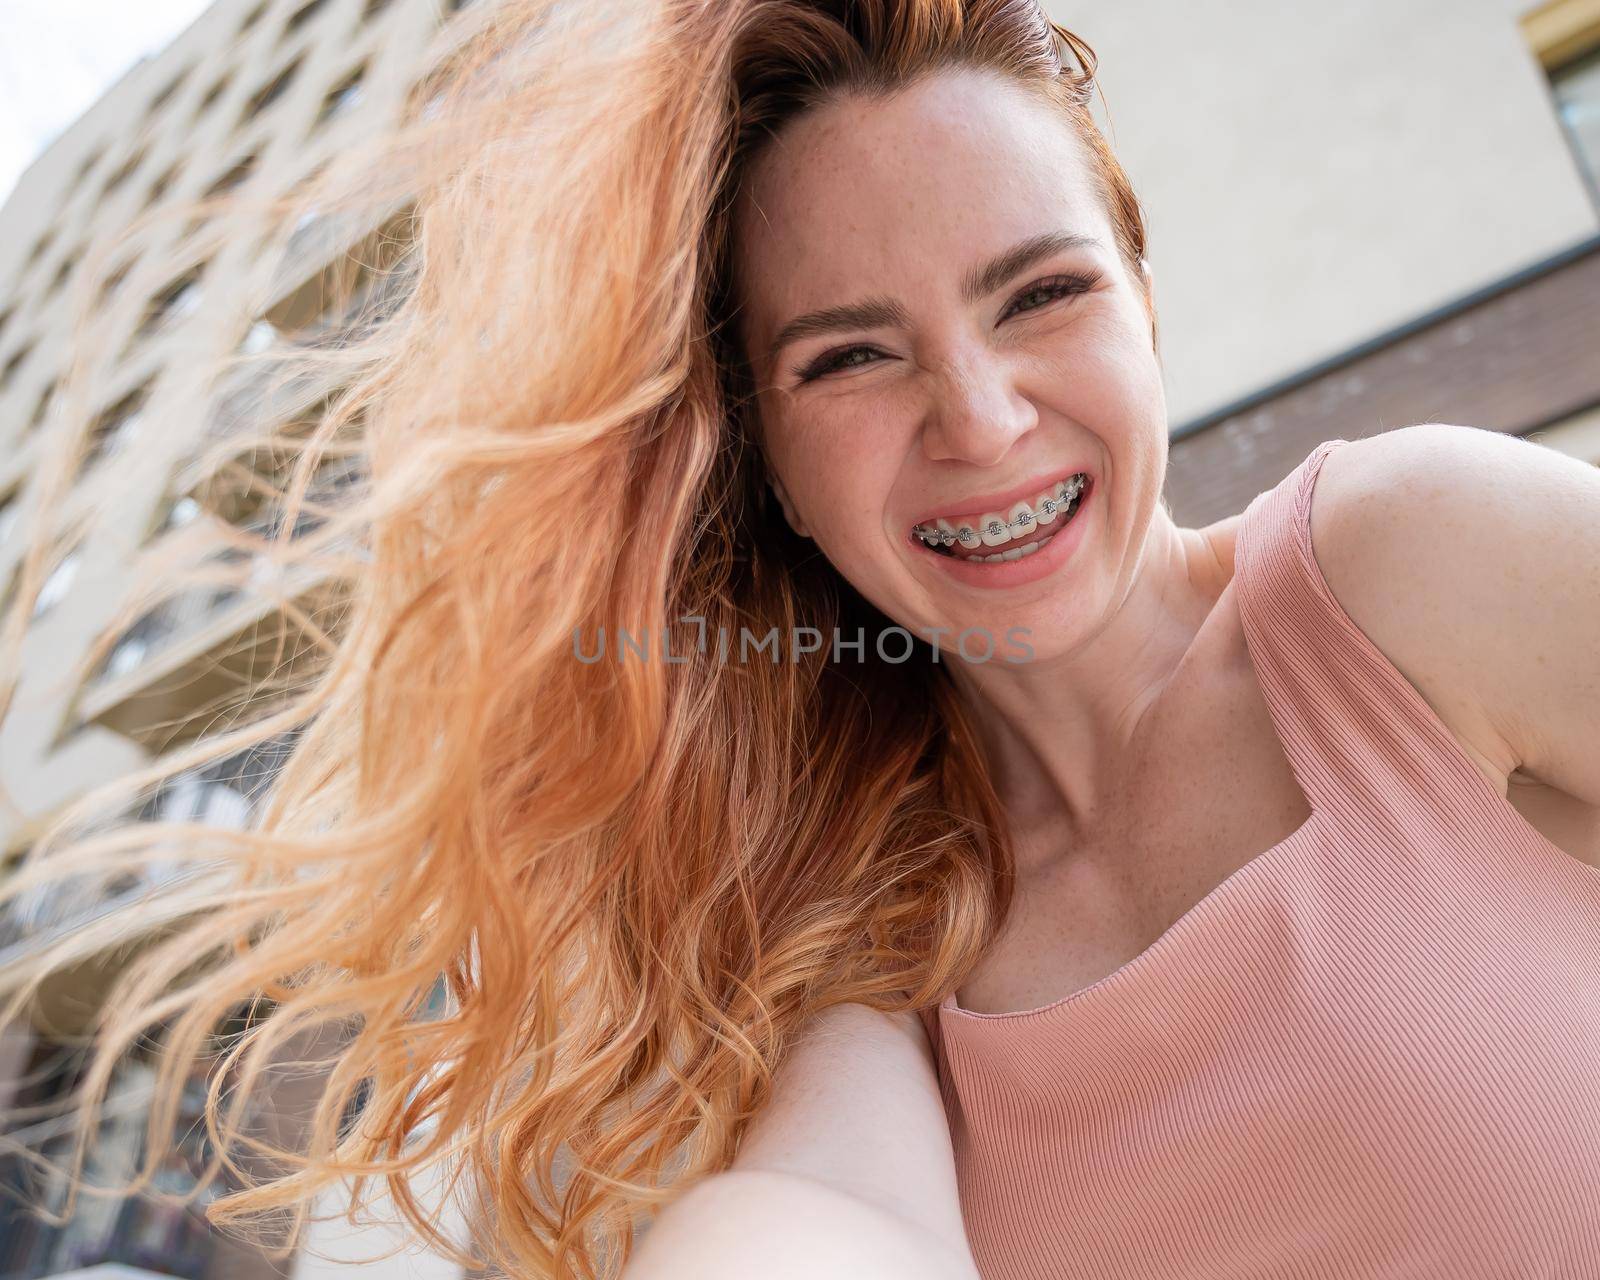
1050	290
833	360
1055	287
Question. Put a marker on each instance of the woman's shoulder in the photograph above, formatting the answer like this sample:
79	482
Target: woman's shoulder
1218	542
1442	544
1470	559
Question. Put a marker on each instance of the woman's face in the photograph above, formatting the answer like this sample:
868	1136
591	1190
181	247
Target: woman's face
950	382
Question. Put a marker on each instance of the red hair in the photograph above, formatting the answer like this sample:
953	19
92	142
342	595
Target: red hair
638	880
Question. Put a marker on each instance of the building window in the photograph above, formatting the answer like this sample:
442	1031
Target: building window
1577	92
172	86
253	17
218	87
303	15
8	371
1565	36
163	183
56	586
89	161
343	98
257	338
60	277
131	650
45	240
113	281
10	513
270	92
233	178
42	406
123	173
229	181
182	511
177	300
117	425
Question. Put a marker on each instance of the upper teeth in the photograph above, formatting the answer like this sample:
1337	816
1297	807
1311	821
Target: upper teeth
993	528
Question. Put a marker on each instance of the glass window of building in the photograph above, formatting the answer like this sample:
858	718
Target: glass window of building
1577	92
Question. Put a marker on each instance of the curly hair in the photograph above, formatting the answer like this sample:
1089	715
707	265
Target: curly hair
638	881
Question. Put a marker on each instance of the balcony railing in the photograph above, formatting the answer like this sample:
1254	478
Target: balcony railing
225	794
211	646
264	392
44	915
107	1239
328	255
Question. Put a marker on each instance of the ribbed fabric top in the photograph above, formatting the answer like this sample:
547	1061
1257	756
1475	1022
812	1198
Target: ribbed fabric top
1372	1052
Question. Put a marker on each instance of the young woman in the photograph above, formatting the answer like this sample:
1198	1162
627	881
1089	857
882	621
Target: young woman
1056	891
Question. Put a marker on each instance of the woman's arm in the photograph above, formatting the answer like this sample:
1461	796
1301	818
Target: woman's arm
847	1172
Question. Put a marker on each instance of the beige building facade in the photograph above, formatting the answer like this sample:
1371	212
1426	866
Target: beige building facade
1318	174
251	99
1361	215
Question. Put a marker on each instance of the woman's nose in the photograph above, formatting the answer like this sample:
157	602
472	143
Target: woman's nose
975	413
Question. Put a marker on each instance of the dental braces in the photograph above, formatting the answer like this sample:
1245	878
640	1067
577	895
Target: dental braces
1049	506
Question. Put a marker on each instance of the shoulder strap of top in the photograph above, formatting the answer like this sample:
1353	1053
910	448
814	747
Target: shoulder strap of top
1362	740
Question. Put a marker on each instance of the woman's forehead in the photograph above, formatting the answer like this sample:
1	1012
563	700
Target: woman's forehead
957	139
862	195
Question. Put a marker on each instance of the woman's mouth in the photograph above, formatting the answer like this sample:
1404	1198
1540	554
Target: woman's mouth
998	537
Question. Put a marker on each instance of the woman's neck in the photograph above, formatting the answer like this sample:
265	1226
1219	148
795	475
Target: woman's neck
1060	731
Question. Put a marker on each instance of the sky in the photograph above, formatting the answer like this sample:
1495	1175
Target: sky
58	56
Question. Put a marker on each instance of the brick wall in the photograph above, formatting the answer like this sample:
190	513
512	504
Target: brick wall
1513	357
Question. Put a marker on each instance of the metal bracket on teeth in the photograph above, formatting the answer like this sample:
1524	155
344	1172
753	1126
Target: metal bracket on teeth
1049	505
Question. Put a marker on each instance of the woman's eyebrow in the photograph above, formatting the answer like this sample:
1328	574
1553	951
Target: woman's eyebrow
873	312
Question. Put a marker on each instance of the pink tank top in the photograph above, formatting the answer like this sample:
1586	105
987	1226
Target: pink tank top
1372	1052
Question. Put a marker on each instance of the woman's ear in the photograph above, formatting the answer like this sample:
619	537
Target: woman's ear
789	513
